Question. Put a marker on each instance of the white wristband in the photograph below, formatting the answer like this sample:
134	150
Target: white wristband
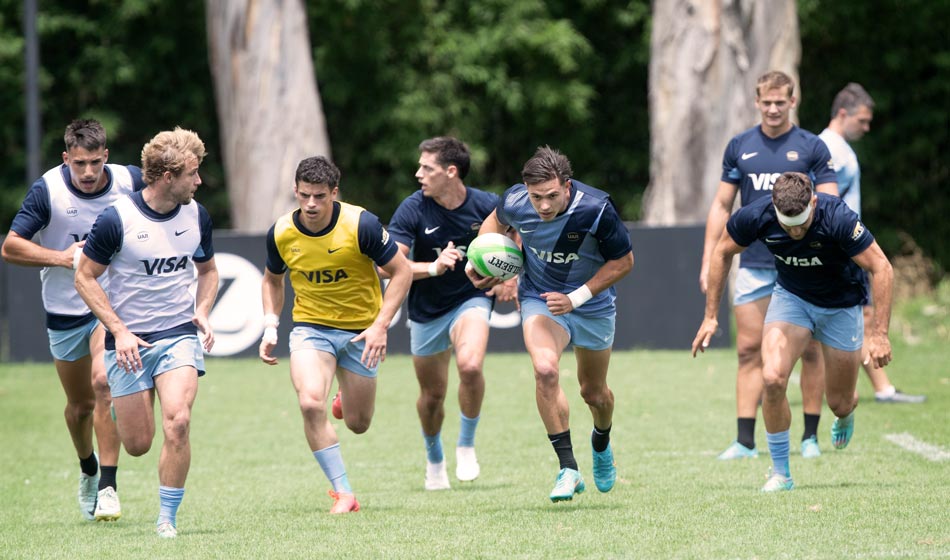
580	296
270	335
271	320
434	268
76	256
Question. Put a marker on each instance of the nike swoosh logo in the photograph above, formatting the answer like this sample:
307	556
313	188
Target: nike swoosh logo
854	339
177	233
770	240
522	230
331	251
430	230
747	156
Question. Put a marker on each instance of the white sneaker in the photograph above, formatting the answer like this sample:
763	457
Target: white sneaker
466	464
166	530
88	489
437	477
107	506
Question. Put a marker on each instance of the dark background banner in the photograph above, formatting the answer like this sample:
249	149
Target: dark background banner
659	305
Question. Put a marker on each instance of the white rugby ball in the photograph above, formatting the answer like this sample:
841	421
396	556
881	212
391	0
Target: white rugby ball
496	255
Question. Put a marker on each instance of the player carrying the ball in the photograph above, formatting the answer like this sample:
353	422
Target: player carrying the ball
575	249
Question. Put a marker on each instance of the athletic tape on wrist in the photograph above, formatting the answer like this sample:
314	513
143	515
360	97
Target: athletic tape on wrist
76	255
580	296
270	335
433	268
271	320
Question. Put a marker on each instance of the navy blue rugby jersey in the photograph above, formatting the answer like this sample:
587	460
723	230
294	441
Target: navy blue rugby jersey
818	268
426	228
753	162
561	255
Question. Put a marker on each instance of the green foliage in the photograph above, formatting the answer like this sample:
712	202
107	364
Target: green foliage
139	66
898	52
504	76
255	491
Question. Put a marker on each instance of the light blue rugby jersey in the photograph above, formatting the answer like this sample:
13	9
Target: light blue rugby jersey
846	167
426	228
753	162
564	253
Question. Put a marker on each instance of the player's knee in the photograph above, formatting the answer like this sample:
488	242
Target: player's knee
546	373
311	407
100	386
749	351
137	445
774	382
77	411
431	399
841	405
176	427
359	424
470	372
596	396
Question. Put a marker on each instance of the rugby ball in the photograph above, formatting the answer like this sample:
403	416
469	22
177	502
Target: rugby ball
496	255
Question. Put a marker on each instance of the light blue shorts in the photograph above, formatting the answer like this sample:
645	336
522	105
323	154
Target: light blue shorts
166	354
433	337
841	328
333	341
592	333
753	284
71	344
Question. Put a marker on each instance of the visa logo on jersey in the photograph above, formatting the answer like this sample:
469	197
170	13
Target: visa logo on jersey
551	257
799	261
165	265
763	181
325	276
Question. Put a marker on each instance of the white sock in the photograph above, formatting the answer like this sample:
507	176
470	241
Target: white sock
886	392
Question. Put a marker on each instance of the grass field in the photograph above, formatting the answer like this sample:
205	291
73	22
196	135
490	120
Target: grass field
255	490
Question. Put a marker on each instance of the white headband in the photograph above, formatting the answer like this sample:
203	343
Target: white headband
792	221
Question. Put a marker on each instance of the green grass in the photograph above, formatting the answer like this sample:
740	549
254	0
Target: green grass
255	491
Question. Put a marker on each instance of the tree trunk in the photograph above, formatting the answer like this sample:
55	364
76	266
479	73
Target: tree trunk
268	105
705	59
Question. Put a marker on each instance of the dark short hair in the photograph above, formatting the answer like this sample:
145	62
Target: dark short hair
851	98
85	133
547	163
449	151
317	170
792	193
774	80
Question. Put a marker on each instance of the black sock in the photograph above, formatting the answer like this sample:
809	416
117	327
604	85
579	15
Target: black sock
811	426
89	465
564	449
746	432
107	477
599	439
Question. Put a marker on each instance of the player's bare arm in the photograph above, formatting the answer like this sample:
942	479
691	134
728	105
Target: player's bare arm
828	188
607	275
272	297
719	264
21	251
715	224
375	337
876	264
204	300
126	343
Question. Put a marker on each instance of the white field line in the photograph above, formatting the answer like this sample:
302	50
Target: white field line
922	448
